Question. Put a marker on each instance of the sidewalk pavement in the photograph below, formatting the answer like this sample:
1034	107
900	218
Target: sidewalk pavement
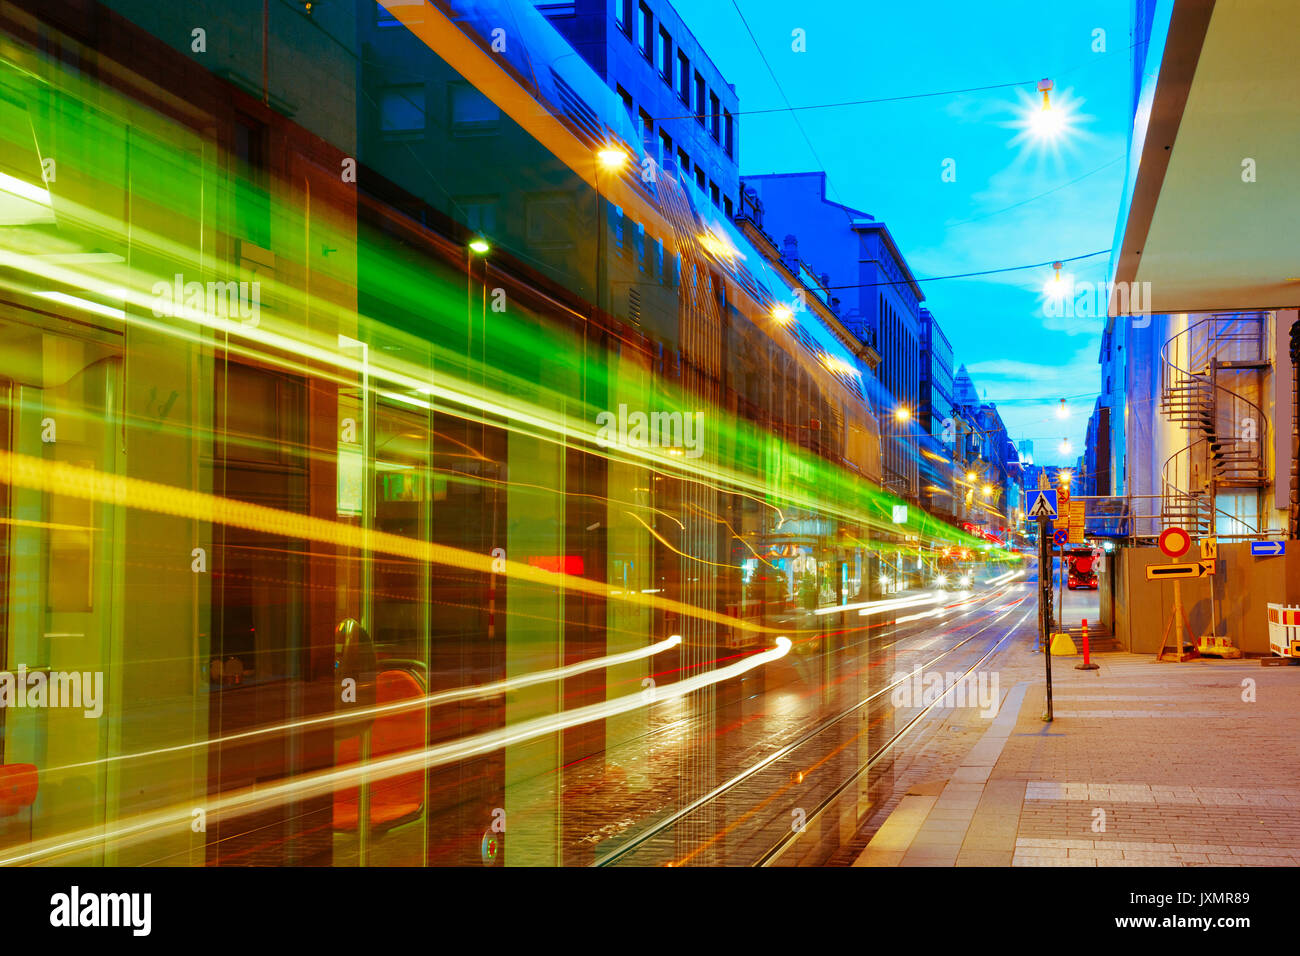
1145	764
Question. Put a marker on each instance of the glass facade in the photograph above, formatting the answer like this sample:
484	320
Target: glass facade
396	486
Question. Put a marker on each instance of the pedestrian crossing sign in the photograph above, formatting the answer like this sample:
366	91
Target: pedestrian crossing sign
1040	503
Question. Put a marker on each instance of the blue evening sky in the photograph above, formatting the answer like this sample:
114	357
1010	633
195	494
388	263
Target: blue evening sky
887	159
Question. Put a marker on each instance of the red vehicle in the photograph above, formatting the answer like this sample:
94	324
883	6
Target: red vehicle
1081	569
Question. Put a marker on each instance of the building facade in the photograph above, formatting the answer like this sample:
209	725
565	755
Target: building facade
684	110
880	299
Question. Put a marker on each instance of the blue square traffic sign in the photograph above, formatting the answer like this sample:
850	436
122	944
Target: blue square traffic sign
1040	503
1267	549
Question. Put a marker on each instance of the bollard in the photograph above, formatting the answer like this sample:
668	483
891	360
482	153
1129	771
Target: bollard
1087	664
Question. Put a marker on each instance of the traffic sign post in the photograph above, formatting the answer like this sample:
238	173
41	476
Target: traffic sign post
1043	507
1175	542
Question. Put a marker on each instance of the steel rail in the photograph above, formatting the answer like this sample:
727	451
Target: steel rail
776	755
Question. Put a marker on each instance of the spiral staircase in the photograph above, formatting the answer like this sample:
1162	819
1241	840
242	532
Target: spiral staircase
1201	367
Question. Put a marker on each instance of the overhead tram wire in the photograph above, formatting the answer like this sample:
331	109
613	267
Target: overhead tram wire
968	275
793	115
1025	202
901	97
866	102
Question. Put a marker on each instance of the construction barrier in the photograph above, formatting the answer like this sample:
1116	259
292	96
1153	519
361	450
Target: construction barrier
1284	630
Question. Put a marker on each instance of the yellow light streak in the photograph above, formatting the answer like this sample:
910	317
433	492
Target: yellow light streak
74	481
146	826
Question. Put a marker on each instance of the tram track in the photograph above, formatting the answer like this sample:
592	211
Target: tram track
814	733
781	845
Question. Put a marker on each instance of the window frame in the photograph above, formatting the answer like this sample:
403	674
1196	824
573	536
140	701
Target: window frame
645	32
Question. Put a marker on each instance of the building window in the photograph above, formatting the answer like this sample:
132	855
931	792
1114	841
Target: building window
683	164
714	194
728	133
472	113
626	97
665	148
645	32
623	15
715	117
726	205
646	127
480	213
700	90
683	78
558	11
665	56
549	220
699	178
401	111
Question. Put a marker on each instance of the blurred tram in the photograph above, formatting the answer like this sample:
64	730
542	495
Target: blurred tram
481	411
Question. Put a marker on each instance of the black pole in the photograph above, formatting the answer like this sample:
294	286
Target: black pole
1045	602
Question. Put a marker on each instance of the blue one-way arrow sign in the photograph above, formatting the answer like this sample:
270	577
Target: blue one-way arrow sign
1267	549
1040	503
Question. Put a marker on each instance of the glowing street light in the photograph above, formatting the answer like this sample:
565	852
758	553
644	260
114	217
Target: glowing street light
782	313
1063	411
902	414
970	476
611	157
1046	123
1056	287
988	490
479	245
1045	86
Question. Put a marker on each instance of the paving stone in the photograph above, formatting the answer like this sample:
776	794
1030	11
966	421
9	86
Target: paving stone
1116	746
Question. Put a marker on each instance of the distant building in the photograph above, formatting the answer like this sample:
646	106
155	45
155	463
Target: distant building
1026	449
880	300
683	108
1095	471
936	377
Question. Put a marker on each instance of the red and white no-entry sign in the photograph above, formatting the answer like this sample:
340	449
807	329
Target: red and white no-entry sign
1175	542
